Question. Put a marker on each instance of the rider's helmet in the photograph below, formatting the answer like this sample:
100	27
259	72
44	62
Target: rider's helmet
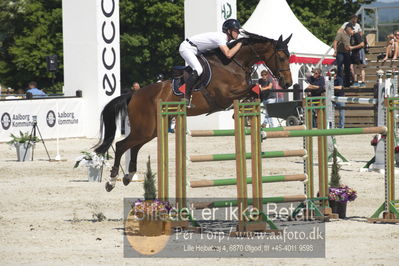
231	24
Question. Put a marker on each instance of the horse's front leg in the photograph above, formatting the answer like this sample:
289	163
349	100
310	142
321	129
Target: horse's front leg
120	148
132	165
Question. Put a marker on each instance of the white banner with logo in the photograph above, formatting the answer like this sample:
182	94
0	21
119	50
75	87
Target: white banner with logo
54	117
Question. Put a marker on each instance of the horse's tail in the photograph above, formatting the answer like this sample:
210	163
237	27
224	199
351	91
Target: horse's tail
111	111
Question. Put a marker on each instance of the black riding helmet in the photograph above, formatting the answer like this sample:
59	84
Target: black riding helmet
231	24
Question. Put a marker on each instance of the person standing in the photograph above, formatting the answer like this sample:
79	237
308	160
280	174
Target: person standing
357	66
266	95
339	92
315	88
357	29
342	50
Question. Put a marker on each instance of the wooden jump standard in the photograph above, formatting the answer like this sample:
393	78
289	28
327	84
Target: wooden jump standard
165	111
390	208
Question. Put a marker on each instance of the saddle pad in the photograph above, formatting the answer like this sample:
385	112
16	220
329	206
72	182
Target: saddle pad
179	87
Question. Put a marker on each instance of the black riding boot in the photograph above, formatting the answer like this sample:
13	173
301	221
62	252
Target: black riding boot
189	86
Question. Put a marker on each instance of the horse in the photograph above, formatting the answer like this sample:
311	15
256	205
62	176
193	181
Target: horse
230	81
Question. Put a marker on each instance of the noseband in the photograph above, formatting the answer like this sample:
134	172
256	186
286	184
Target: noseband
273	55
276	61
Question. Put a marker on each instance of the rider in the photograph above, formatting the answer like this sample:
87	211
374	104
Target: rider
195	45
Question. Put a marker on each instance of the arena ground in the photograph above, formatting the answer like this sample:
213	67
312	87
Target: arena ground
47	207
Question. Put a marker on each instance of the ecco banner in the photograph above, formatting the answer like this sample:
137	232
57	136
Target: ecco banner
55	117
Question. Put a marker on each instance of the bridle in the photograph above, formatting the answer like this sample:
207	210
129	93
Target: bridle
276	61
274	55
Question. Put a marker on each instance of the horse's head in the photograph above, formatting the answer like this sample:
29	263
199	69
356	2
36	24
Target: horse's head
282	62
275	54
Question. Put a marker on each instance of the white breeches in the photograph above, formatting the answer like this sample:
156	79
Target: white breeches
189	52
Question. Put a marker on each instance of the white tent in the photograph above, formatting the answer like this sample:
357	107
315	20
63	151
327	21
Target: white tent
273	18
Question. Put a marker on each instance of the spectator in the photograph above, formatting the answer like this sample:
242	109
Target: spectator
266	96
392	49
316	83
357	29
136	86
356	26
357	65
339	91
315	88
34	91
342	50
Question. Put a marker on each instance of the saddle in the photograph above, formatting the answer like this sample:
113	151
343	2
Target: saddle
181	73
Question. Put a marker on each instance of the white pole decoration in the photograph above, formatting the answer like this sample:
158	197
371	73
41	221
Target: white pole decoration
91	55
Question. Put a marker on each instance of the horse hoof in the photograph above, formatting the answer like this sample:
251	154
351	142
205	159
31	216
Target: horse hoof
108	187
126	180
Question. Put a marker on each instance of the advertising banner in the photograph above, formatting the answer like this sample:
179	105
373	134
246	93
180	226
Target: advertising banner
54	117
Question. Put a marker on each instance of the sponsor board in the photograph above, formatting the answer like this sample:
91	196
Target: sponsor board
55	117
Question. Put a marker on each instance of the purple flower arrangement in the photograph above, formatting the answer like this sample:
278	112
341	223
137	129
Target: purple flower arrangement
153	208
342	194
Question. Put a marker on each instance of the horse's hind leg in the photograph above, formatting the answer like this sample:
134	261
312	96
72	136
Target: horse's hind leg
132	164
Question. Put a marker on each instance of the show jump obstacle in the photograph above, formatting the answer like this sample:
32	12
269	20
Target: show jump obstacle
242	110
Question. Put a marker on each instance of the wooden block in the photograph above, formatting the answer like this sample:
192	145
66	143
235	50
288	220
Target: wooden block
382	220
333	216
256	227
327	211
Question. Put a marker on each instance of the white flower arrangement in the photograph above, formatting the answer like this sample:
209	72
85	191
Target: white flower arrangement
91	159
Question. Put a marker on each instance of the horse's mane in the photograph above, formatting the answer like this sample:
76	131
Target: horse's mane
252	38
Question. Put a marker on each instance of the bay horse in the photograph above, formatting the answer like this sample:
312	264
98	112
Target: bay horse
230	81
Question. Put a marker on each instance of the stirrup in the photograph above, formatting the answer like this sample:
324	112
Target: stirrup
188	103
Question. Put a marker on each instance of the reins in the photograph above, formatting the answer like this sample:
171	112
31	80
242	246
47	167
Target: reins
274	54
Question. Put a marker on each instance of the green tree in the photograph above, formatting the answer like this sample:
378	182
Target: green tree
150	34
30	30
245	8
151	31
324	17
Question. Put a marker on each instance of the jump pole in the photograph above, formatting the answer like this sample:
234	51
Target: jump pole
230	132
232	156
233	181
390	208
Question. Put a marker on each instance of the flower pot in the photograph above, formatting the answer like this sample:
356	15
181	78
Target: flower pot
150	227
94	174
339	208
23	148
